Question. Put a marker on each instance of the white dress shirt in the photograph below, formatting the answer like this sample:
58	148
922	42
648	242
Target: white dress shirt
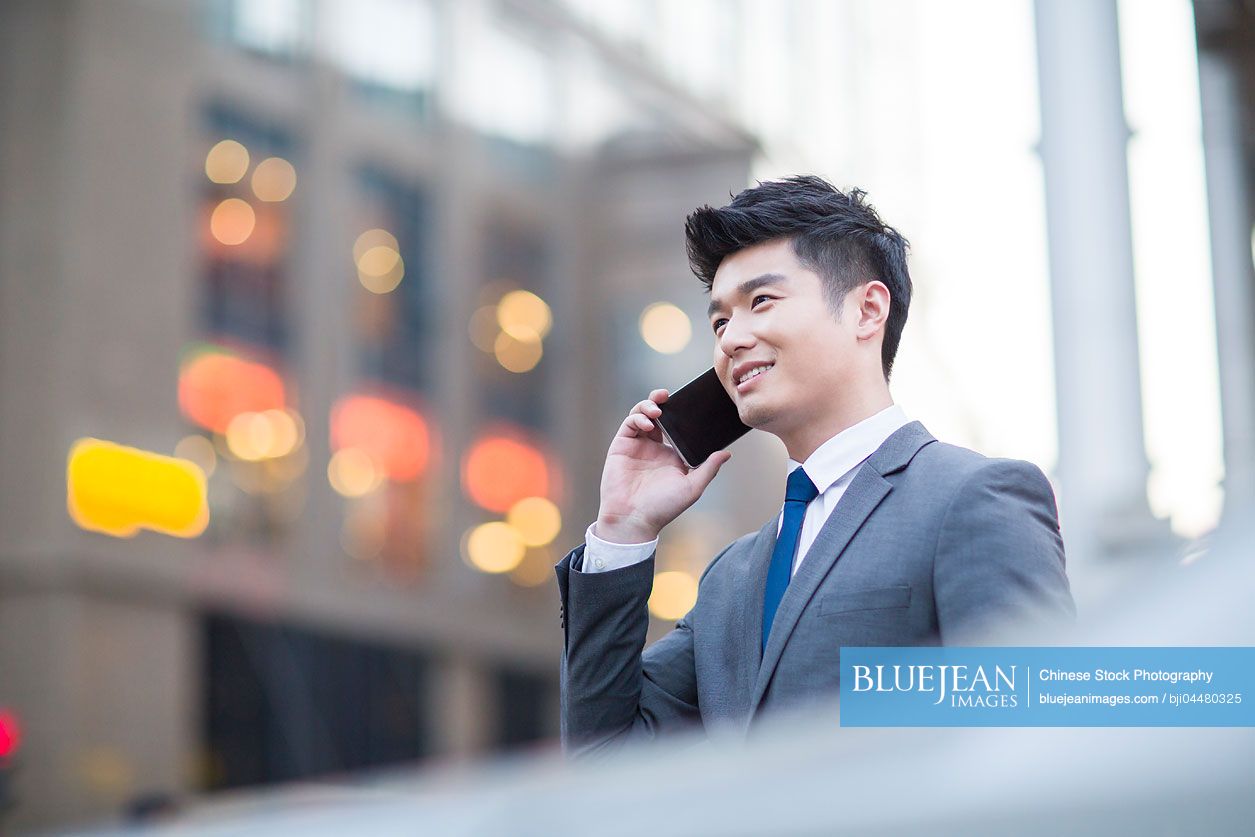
832	467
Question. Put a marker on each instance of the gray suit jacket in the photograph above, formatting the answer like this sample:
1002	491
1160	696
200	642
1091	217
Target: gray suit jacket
930	544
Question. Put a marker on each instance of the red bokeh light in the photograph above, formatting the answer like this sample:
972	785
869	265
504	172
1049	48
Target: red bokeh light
215	387
10	734
502	467
395	436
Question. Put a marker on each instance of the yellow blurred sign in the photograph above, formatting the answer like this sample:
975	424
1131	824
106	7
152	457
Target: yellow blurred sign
119	490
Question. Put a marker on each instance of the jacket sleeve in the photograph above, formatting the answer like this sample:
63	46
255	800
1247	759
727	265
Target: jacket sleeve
611	691
999	560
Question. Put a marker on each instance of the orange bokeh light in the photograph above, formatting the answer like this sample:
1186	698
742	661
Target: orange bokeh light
265	245
215	387
232	221
502	467
395	436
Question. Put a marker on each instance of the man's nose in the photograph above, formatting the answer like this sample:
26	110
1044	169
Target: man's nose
735	337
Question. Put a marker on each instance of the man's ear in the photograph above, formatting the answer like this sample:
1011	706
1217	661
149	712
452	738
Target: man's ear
873	309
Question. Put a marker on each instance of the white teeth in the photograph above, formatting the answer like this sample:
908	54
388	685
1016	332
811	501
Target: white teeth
756	371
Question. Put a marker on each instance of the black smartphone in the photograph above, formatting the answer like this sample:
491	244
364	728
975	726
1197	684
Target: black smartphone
699	418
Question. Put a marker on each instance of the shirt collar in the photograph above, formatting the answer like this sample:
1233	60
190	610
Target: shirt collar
843	452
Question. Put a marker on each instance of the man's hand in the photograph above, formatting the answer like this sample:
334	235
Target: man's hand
645	485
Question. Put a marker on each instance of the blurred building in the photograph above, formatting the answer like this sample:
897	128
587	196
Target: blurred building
351	259
389	273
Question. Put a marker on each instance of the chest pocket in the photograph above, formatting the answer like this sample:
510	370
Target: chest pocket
851	601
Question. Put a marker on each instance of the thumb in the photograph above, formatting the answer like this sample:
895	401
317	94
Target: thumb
704	473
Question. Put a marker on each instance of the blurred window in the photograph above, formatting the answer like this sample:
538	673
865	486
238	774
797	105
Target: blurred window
233	386
516	257
276	28
244	295
386	46
395	327
384	438
511	85
285	703
525	702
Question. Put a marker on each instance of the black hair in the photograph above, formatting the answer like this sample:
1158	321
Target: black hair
836	234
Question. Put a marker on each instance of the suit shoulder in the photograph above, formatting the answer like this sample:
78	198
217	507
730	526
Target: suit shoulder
957	467
942	462
966	462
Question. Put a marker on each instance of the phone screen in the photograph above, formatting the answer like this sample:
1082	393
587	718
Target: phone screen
699	418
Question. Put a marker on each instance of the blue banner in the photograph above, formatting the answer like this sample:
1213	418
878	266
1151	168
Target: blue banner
1047	687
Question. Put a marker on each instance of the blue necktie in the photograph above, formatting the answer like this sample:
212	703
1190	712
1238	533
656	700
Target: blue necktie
797	495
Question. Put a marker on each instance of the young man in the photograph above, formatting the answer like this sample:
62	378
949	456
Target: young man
886	536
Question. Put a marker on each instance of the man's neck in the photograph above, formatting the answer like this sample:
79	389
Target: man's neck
805	440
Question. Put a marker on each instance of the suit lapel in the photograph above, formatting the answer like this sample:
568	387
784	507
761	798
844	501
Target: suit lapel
747	624
868	488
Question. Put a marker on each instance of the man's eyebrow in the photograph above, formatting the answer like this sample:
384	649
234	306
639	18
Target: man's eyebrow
745	288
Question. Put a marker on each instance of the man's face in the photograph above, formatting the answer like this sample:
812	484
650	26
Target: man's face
770	313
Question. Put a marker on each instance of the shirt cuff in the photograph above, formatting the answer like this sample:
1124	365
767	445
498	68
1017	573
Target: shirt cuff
602	556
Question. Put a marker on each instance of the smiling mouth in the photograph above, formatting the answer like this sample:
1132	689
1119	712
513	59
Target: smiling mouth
745	383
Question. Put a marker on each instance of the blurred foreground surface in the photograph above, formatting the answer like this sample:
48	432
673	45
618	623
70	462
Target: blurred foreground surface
804	775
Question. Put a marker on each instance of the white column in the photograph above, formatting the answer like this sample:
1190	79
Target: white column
1102	467
1233	275
320	290
462	711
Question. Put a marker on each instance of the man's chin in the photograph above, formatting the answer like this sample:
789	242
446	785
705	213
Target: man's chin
756	416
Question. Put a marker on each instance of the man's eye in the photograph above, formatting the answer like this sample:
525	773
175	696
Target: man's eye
757	298
718	324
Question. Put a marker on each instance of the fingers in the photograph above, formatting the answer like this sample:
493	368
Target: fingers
640	420
640	424
649	406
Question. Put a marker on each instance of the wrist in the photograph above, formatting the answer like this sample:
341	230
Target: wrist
621	531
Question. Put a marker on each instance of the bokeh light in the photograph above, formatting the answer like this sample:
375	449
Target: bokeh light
119	490
263	247
524	316
274	180
289	431
199	451
353	473
500	470
665	328
378	260
215	386
396	437
10	733
371	239
250	436
493	547
232	221
536	519
269	434
517	355
380	269
675	593
227	162
377	256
